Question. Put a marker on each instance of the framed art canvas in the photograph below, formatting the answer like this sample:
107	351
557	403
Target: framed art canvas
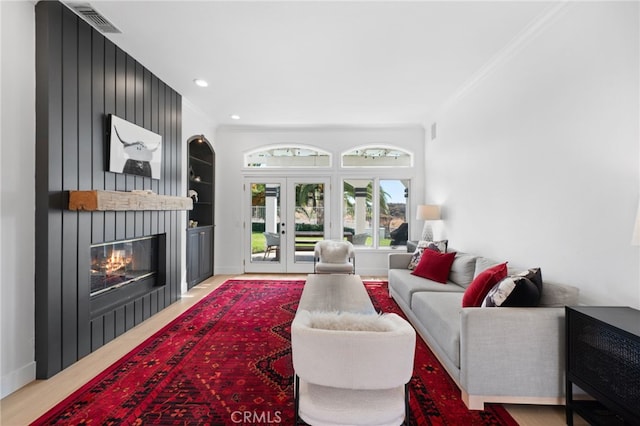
133	149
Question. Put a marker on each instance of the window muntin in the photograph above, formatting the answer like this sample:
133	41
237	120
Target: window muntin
285	156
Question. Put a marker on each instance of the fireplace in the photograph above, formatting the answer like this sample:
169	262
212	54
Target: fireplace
123	270
120	263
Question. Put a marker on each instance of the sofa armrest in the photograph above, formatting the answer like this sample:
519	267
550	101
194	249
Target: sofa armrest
399	260
512	351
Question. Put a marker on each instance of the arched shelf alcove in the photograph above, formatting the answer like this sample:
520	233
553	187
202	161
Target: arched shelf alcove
201	188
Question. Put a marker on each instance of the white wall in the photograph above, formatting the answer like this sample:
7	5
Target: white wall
17	204
194	122
539	163
233	142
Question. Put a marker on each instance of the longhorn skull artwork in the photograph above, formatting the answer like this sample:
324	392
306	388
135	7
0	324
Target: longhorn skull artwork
134	150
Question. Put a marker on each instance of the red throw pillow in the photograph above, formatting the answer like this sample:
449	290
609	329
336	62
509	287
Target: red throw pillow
480	286
435	266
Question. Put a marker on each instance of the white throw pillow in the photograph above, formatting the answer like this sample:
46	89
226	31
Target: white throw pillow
350	321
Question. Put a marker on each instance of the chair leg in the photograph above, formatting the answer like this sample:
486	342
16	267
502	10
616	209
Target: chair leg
296	399
407	409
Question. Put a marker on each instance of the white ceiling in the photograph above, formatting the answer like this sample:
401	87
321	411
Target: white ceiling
317	62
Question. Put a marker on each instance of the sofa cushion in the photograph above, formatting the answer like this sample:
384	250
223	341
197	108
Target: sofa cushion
558	295
439	246
434	266
404	285
478	289
482	264
513	291
440	314
462	269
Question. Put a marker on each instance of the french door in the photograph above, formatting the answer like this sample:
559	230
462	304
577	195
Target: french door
285	216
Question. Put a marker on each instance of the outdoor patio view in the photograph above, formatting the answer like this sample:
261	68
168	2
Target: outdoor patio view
358	224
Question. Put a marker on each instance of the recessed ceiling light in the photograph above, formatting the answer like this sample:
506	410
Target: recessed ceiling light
200	82
235	117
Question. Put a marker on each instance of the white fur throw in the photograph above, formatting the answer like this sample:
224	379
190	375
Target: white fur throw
350	321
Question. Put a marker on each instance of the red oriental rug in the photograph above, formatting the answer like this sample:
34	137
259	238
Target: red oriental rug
227	361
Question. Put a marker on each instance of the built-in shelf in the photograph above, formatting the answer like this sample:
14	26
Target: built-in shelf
96	200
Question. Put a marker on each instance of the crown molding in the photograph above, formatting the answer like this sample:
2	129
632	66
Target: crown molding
519	42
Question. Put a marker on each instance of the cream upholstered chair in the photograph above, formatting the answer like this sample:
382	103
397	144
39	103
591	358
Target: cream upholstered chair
352	376
334	257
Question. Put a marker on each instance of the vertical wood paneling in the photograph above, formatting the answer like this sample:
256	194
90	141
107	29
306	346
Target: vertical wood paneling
98	147
121	111
81	78
110	76
119	320
139	120
130	115
137	311
48	122
109	326
146	123
129	316
85	175
154	303
69	182
97	333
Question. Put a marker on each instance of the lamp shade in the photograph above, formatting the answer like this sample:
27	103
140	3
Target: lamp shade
428	212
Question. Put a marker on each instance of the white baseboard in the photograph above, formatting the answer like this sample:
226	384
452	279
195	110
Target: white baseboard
16	379
227	271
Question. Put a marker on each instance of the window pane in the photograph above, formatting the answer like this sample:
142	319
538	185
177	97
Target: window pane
357	210
394	227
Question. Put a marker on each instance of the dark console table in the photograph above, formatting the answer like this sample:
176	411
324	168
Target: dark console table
603	359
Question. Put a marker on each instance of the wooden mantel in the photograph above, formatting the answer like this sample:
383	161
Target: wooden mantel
126	201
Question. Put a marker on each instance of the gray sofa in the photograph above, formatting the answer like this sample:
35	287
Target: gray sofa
505	355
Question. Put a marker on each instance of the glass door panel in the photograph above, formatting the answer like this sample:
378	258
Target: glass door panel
286	219
264	242
308	210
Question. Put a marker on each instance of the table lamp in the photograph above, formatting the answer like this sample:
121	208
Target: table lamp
428	212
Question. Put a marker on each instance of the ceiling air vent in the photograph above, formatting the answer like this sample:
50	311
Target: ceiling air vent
93	17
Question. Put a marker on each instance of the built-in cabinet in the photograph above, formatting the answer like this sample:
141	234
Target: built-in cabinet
201	180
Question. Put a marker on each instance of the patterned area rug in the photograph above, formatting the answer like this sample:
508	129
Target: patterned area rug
227	361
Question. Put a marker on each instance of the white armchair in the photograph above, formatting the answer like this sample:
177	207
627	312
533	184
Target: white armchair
353	372
334	257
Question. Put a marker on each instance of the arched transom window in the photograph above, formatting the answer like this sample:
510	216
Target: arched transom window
282	156
377	156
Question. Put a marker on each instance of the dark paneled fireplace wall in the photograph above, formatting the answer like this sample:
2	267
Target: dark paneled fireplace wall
80	78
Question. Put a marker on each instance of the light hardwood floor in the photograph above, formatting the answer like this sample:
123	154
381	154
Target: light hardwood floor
28	403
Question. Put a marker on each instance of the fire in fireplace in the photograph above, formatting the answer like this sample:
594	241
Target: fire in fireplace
119	263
